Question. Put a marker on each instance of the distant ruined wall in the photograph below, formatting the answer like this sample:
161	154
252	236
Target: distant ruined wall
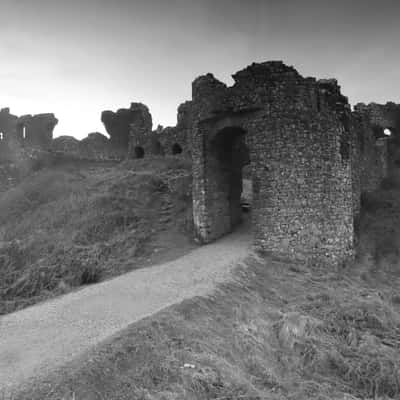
7	130
372	150
118	124
95	147
381	117
36	130
19	134
162	141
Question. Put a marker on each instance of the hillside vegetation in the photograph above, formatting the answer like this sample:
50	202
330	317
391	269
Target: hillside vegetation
276	331
79	223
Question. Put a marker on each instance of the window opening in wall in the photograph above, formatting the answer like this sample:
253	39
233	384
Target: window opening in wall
139	152
387	132
24	132
176	149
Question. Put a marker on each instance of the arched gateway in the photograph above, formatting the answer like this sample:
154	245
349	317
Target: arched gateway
295	133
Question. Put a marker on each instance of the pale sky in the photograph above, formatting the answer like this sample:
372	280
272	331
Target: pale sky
76	58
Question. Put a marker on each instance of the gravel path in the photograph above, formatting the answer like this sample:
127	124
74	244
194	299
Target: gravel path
36	340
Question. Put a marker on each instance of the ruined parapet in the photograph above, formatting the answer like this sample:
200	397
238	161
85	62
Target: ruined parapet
175	140
94	147
384	116
373	149
162	141
140	131
125	125
36	130
98	147
65	145
300	153
357	166
8	123
19	134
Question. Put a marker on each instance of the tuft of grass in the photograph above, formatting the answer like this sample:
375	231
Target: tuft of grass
90	274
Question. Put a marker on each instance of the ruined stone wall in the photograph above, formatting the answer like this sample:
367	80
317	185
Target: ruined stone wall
7	123
300	161
382	115
119	124
7	130
163	141
19	134
95	147
36	130
357	171
371	161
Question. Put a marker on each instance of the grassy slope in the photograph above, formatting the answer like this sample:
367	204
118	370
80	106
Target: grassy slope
278	331
78	224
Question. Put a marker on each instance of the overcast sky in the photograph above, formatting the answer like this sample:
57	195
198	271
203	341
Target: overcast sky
78	57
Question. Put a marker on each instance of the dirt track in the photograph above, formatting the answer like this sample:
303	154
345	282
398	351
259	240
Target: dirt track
38	339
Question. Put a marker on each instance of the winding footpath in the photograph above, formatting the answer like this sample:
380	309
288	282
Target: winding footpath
35	341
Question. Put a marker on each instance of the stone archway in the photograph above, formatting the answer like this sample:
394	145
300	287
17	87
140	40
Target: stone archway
230	154
218	177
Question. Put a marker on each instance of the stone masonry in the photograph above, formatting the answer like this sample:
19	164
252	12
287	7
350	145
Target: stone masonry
162	141
18	133
295	134
381	117
308	155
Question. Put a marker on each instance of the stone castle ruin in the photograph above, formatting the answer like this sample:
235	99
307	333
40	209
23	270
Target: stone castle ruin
25	132
132	128
310	157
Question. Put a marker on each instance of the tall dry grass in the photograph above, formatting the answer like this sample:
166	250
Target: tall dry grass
73	226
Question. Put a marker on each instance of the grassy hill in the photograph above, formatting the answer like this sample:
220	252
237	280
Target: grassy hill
77	224
276	331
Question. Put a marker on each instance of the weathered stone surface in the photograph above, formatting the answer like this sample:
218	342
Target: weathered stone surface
163	141
308	155
119	124
66	144
97	146
294	131
36	130
7	123
382	117
25	132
